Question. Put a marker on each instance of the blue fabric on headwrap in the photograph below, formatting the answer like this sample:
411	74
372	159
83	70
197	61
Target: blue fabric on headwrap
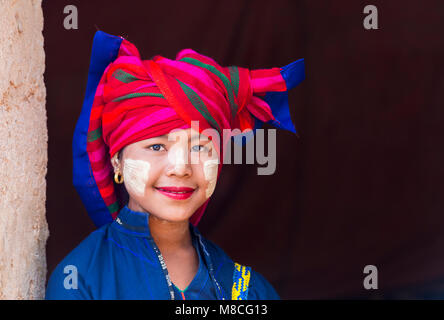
104	50
293	74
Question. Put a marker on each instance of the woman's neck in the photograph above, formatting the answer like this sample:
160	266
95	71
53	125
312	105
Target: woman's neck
169	235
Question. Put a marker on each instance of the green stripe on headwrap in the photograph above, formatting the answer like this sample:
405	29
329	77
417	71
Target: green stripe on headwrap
94	135
197	102
123	76
113	207
139	94
234	75
222	77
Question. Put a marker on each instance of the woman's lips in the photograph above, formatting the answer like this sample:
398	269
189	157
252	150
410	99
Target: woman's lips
177	193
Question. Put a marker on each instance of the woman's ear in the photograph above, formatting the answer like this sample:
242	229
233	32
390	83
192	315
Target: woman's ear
116	162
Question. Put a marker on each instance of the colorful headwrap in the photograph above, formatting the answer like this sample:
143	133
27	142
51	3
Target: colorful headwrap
129	99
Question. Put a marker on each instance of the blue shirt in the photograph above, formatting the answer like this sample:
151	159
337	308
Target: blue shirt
120	260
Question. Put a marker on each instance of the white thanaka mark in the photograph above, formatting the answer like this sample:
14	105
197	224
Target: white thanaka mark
135	175
210	172
177	157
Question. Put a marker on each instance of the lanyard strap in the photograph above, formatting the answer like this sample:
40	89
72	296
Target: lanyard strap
164	268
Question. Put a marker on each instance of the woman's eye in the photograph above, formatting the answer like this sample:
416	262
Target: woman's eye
199	148
156	147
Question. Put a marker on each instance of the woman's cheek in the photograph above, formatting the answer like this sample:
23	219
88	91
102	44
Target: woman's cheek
210	168
136	175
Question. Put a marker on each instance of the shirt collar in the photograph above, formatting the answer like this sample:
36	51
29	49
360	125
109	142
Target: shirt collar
133	222
136	223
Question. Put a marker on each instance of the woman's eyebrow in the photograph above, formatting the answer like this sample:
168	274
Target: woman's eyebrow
191	139
198	137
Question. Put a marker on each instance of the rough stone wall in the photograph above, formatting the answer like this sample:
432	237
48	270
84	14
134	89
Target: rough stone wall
23	151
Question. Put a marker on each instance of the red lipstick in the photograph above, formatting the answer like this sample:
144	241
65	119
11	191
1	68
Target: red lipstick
177	193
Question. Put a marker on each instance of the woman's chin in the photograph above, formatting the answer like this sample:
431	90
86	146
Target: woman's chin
172	213
175	217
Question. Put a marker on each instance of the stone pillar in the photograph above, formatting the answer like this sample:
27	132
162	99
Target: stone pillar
23	151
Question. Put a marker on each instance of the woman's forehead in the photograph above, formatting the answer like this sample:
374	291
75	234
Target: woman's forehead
189	134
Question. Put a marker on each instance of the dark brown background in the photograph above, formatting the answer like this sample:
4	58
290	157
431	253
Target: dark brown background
364	182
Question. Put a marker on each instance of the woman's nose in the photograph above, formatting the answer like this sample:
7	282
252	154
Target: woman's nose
179	163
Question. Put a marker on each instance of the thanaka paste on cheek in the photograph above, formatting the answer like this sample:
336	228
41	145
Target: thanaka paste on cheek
210	172
135	175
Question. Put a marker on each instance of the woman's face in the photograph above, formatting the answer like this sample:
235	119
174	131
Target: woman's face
169	176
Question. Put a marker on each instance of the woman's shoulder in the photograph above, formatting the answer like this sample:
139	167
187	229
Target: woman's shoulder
85	251
235	273
69	277
261	288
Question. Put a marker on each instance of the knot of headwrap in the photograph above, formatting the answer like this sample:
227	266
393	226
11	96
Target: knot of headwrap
129	99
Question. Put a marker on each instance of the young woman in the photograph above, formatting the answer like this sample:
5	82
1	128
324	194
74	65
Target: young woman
148	149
